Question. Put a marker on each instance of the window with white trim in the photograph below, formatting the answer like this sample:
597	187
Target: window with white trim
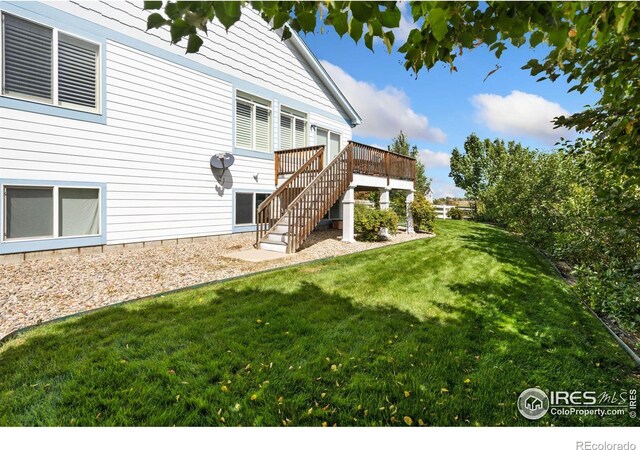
40	212
246	205
253	122
44	64
293	128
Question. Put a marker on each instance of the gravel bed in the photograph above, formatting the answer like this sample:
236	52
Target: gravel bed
32	292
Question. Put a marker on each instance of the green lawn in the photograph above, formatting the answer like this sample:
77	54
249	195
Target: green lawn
442	331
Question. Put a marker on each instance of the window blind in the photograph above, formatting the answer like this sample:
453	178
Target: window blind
263	125
300	133
27	58
244	130
286	132
76	72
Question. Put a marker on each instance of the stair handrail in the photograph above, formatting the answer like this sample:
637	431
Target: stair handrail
342	166
268	213
287	159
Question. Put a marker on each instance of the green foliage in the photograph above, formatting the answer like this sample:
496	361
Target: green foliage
592	45
369	221
402	146
614	289
423	212
455	213
566	205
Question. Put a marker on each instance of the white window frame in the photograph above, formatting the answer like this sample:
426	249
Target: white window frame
327	149
253	101
254	209
294	115
56	211
54	68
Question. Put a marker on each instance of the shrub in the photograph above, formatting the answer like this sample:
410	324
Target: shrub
456	214
612	289
368	222
423	212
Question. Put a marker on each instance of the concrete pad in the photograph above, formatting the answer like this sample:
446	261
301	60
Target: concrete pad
255	255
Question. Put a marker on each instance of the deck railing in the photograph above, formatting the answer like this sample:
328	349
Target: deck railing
308	208
373	161
290	160
311	190
275	205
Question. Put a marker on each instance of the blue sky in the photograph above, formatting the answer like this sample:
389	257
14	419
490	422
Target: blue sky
439	109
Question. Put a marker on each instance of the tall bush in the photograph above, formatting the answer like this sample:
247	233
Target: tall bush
562	203
369	221
423	212
456	214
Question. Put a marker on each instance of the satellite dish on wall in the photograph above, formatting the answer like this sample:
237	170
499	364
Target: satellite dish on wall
222	161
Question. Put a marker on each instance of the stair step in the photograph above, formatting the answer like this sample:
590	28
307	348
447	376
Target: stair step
277	237
279	247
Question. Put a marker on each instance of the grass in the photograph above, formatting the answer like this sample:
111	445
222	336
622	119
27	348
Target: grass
444	331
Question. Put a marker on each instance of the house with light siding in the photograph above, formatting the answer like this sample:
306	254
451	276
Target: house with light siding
107	134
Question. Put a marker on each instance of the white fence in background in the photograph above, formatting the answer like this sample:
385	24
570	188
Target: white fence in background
442	211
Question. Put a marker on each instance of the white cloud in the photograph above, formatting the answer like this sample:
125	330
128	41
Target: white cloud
401	33
406	23
520	114
433	159
446	189
384	111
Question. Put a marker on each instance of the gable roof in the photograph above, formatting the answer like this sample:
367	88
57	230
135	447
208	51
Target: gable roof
322	74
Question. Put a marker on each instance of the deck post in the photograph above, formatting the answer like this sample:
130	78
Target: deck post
409	200
348	213
384	204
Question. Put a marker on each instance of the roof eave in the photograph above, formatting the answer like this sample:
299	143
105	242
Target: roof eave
311	59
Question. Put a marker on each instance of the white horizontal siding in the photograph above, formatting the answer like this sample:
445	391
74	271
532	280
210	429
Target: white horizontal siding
332	125
164	122
153	153
249	50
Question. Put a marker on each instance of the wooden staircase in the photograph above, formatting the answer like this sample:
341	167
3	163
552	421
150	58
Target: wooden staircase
287	217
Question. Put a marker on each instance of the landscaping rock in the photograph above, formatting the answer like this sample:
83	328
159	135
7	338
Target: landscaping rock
42	290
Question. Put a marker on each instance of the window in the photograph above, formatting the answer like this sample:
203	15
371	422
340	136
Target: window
29	212
33	212
30	57
246	205
330	140
253	123
293	129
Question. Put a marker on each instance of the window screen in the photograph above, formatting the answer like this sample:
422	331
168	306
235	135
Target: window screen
77	72
29	212
301	133
244	129
263	128
286	132
79	213
260	198
244	208
27	58
334	145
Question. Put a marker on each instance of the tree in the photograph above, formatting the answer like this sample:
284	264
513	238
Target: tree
592	44
401	145
469	170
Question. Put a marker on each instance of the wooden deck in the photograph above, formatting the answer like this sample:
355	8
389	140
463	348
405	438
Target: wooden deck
293	210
